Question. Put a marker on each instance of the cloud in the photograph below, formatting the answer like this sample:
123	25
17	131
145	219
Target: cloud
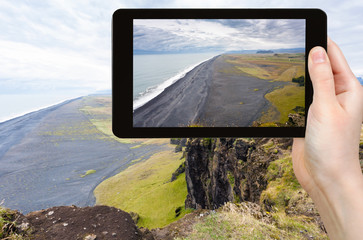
65	44
163	35
55	45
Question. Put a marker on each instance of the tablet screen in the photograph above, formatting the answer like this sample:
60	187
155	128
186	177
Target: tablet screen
213	72
218	72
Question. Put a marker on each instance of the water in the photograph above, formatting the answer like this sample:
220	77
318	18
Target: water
15	105
154	73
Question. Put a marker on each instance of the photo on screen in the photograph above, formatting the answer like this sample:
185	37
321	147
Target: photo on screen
218	72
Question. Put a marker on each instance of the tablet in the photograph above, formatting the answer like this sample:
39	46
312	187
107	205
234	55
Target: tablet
213	72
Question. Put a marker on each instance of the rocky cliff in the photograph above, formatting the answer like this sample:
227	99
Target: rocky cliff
228	170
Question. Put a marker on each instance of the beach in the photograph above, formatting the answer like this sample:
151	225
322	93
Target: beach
56	156
213	94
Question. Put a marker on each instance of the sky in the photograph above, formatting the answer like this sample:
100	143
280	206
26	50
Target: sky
219	35
63	47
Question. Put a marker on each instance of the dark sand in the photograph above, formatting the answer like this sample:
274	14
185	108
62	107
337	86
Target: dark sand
212	94
44	154
180	103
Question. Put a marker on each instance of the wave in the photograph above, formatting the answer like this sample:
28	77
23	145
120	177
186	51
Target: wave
152	92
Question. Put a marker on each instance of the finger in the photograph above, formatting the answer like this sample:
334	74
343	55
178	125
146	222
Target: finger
321	76
343	75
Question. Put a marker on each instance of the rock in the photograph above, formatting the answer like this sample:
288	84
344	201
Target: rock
178	141
296	120
135	217
177	172
227	169
90	237
178	211
178	148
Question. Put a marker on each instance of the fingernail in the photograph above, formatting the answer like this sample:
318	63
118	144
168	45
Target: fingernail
318	55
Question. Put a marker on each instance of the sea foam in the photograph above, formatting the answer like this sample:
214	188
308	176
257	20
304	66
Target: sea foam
153	91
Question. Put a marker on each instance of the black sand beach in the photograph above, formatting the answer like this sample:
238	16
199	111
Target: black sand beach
212	94
44	157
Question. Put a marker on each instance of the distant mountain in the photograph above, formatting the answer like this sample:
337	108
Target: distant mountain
280	50
264	51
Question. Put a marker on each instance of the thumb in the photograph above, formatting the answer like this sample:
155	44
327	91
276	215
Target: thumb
321	75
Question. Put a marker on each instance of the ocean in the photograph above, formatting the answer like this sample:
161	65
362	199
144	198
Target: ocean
16	105
153	73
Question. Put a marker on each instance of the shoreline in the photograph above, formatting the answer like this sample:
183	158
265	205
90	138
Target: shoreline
179	103
45	155
210	95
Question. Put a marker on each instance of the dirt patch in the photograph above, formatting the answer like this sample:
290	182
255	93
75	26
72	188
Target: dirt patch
99	222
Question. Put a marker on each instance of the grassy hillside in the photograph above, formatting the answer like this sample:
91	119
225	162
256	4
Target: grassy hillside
286	100
145	189
273	67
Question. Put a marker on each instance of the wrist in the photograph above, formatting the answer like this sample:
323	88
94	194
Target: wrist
340	205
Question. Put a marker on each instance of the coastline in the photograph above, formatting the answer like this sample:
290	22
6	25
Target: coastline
180	103
45	157
210	95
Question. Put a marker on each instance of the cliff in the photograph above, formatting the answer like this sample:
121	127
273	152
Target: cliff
228	170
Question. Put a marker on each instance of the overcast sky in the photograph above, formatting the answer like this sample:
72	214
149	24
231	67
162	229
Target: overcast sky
193	35
65	45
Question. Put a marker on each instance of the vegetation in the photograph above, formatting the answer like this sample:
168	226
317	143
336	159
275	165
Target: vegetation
300	80
286	99
273	67
9	228
88	173
98	110
145	189
246	221
284	211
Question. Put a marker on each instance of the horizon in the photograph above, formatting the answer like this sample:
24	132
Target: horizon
63	48
278	50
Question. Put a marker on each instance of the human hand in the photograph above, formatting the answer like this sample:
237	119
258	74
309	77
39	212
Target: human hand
326	161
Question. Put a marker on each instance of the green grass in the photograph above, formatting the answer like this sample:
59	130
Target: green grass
235	221
145	188
248	221
7	223
286	99
272	67
88	172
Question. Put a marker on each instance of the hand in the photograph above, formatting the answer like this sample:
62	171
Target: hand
326	161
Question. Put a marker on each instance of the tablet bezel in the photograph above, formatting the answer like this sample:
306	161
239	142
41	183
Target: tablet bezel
122	77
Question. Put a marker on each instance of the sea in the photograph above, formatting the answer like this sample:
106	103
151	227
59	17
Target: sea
16	105
155	72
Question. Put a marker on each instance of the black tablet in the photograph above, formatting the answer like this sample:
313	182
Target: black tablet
213	72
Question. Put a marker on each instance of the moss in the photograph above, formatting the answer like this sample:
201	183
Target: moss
282	186
207	142
88	172
9	227
268	124
286	100
231	179
270	144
